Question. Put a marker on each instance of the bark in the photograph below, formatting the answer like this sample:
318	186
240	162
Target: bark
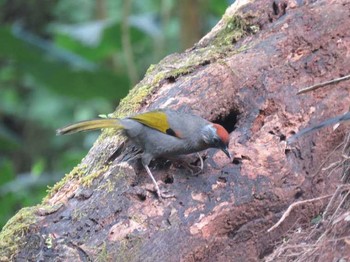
245	75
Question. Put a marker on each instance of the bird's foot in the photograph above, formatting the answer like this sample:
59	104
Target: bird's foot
162	195
166	195
194	170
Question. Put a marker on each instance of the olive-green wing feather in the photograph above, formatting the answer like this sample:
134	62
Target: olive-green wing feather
157	120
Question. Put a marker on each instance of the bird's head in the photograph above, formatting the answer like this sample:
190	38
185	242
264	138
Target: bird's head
216	136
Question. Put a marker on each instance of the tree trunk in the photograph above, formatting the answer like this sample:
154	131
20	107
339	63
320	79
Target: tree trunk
244	75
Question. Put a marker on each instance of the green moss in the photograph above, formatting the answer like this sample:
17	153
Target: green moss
87	180
12	236
150	69
76	173
128	106
108	186
236	28
183	70
133	100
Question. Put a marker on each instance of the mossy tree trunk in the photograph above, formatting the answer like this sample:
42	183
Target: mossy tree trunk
245	75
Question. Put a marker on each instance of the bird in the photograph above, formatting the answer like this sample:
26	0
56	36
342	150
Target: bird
162	133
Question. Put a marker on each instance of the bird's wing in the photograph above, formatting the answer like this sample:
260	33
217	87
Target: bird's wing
157	120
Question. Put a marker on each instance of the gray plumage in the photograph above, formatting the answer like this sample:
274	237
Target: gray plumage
162	133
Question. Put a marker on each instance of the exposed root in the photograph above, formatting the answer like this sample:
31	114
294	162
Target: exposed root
314	87
290	208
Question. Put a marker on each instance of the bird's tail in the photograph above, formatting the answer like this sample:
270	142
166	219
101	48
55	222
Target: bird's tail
90	125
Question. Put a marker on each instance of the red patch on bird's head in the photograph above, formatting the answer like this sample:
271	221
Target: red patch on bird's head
222	133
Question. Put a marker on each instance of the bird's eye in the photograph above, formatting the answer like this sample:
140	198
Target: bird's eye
216	140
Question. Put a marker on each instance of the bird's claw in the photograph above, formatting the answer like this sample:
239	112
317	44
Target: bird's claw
191	168
165	196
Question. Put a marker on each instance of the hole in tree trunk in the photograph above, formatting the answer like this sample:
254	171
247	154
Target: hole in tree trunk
229	121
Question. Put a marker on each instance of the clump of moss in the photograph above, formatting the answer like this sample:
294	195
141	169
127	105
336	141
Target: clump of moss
76	173
12	236
108	186
129	104
236	28
87	180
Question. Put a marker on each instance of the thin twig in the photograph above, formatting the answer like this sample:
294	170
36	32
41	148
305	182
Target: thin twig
339	190
340	205
327	158
290	208
335	195
313	87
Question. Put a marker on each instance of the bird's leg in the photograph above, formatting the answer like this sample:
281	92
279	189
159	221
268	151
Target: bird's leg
193	169
160	195
201	167
202	162
153	180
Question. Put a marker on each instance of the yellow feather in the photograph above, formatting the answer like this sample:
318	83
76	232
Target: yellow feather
155	119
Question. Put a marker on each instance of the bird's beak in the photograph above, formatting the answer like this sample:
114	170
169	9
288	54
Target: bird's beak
225	150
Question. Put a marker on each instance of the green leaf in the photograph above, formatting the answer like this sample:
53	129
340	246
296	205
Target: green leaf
38	167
